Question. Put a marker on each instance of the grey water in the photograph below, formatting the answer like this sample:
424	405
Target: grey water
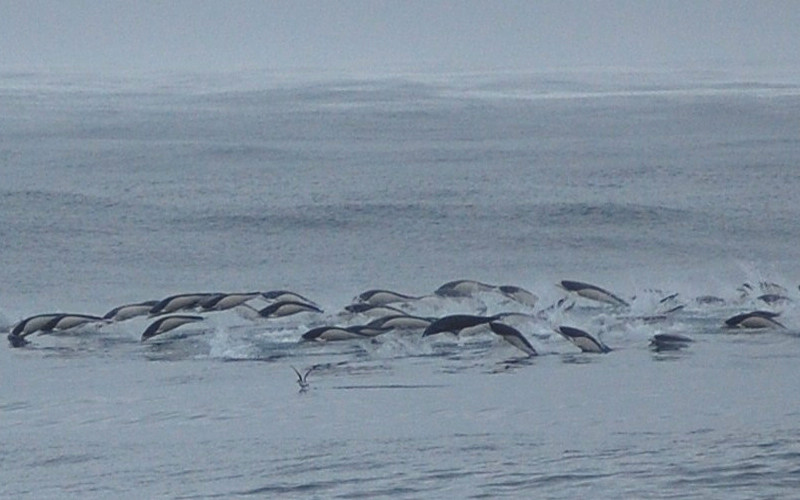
118	189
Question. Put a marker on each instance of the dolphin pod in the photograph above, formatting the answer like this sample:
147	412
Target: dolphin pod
378	310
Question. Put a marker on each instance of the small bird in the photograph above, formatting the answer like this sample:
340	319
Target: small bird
302	380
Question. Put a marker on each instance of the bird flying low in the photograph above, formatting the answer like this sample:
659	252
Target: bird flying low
302	379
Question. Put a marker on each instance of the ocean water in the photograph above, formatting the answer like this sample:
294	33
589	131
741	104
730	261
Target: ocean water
647	183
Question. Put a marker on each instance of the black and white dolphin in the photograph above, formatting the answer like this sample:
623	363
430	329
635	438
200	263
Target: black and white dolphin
709	300
513	337
27	326
283	295
167	323
128	311
582	340
463	288
179	302
372	310
33	324
333	333
401	322
669	341
384	297
287	308
774	299
67	321
754	320
592	292
48	323
225	301
455	323
518	294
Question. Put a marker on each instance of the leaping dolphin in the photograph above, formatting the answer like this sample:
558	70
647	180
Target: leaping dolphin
27	326
455	323
513	337
283	295
383	297
333	333
754	320
179	302
167	323
592	292
67	321
582	340
401	322
128	311
518	294
463	288
287	308
225	301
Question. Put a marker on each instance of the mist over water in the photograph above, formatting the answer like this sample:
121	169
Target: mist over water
122	189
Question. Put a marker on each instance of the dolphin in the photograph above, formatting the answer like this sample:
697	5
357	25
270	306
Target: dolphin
513	337
332	333
180	302
225	301
167	323
372	310
463	288
401	322
67	321
29	325
774	298
33	324
128	311
582	340
592	292
383	297
753	320
669	341
455	323
282	295
518	294
283	308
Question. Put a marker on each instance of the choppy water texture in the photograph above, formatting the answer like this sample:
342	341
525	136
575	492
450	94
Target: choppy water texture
118	190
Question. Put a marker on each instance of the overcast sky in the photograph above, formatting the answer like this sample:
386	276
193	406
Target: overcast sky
141	35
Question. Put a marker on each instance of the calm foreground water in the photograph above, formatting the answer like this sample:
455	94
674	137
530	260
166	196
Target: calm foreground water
117	190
